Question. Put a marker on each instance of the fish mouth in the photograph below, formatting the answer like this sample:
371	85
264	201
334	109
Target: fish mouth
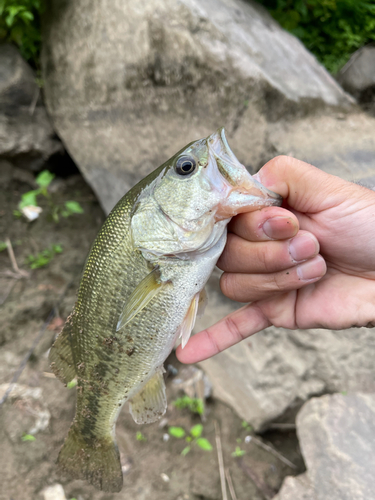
244	192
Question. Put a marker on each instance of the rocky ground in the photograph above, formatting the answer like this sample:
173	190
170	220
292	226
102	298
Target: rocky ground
39	405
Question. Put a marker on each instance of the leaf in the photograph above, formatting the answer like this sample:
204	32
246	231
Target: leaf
2	5
3	245
45	178
197	430
185	451
204	444
28	437
57	248
73	207
28	198
140	437
71	384
177	432
238	452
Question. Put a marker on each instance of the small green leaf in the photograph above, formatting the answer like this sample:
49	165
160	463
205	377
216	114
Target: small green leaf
57	248
71	384
140	437
28	437
28	198
185	451
238	452
3	245
197	430
177	432
73	207
45	178
188	439
204	444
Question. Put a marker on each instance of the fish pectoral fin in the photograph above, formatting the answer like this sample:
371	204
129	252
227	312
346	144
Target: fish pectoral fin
140	297
202	303
151	402
61	356
189	320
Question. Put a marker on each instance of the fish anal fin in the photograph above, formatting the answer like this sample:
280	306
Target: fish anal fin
151	402
60	355
140	297
98	461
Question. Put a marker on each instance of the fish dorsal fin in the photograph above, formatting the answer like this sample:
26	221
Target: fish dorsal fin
140	297
188	323
151	402
60	355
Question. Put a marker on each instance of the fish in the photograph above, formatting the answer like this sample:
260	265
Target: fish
141	289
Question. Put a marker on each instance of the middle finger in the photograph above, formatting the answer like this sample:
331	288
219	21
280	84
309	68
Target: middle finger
243	256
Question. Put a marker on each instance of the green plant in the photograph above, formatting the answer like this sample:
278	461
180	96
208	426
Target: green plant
20	24
140	437
3	246
194	438
44	257
246	426
43	180
238	452
330	29
28	437
195	405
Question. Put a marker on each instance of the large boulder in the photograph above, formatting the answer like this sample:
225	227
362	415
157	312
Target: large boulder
358	76
128	86
26	135
278	369
337	439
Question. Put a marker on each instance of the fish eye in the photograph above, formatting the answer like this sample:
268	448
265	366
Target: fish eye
185	165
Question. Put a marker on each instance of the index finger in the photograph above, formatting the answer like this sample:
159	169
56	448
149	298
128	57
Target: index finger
227	332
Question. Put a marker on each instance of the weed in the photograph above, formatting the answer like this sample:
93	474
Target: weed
44	257
3	246
194	438
195	405
246	426
140	437
30	198
238	452
28	437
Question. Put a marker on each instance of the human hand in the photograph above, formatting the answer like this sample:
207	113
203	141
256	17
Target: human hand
272	259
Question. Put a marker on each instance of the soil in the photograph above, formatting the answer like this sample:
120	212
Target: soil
40	405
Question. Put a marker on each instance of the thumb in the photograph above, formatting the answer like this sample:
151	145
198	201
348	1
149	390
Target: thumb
304	187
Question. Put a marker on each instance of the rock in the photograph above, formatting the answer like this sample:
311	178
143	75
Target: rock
54	492
277	369
26	412
26	135
129	86
337	439
358	74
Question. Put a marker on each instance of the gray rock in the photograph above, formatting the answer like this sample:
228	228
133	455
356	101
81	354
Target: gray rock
277	369
129	86
337	438
26	135
358	74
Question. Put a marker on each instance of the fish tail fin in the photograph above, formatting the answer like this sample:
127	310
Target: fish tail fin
97	462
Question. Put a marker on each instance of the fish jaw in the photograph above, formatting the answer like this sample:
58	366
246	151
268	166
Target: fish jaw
242	193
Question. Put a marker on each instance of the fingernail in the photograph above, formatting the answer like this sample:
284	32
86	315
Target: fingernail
312	269
303	246
279	227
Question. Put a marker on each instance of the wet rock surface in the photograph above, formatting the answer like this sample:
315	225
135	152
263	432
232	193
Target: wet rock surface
337	438
129	86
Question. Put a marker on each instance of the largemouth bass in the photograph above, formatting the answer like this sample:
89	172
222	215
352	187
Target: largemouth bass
141	289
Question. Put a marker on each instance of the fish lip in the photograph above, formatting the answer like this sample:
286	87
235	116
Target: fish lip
220	149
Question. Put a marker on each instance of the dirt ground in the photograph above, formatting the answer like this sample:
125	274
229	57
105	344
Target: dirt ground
41	406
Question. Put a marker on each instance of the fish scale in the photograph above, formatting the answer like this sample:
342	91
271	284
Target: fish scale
139	292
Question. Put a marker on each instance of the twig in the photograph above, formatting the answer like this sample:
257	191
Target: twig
12	257
230	484
221	461
49	375
23	363
274	452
